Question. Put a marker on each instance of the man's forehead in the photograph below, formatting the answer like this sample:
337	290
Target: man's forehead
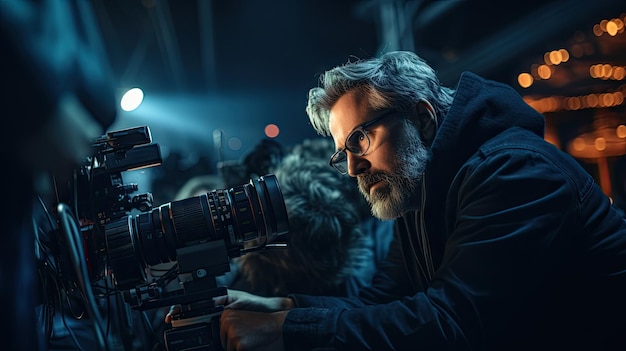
349	111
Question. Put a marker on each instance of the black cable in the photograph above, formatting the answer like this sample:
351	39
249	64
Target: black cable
72	233
70	331
47	271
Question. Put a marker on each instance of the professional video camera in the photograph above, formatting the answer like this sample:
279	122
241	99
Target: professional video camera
100	237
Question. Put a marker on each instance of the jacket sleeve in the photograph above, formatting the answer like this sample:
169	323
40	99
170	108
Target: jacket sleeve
507	219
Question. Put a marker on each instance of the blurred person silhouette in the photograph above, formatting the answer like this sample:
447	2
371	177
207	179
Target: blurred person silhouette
502	241
263	158
57	97
260	160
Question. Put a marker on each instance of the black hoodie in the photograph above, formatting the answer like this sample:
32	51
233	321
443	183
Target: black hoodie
527	251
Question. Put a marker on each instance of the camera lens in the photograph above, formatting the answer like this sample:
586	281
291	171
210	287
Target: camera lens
245	217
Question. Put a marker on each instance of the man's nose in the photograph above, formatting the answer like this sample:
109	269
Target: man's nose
357	164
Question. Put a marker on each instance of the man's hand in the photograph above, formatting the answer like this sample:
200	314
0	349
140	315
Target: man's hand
249	330
241	300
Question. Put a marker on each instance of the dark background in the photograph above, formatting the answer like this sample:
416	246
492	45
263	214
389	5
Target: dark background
235	66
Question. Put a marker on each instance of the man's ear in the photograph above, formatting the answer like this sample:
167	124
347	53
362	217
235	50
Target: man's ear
427	119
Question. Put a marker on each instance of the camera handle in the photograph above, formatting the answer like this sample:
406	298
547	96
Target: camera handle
195	327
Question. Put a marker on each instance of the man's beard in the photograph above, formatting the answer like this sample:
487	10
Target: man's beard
392	196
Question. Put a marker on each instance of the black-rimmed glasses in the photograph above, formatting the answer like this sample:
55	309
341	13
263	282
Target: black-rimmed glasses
357	142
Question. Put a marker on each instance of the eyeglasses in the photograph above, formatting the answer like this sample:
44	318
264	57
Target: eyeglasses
357	142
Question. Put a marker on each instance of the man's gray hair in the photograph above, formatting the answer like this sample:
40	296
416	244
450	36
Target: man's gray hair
397	79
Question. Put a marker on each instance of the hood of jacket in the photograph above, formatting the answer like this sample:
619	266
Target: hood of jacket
482	110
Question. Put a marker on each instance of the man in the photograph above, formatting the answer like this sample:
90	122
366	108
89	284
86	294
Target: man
503	242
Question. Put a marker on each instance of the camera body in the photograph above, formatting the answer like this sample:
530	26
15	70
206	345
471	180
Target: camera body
197	235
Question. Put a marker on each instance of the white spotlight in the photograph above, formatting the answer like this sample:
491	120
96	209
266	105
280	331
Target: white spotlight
131	99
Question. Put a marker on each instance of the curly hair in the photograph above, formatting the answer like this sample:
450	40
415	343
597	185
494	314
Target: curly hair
326	243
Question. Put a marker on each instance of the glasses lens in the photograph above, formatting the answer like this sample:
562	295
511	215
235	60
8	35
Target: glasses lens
339	161
358	142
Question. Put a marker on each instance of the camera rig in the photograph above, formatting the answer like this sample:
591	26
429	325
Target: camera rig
101	236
